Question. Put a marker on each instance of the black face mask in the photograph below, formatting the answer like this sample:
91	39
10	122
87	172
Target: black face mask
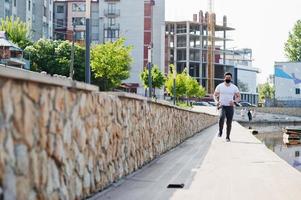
227	80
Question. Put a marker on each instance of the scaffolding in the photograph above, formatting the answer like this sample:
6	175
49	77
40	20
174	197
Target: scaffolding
211	48
199	46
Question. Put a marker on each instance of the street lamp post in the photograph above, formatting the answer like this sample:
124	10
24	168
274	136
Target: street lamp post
149	59
88	15
71	71
174	86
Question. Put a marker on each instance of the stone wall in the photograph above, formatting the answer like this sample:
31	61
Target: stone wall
64	142
281	110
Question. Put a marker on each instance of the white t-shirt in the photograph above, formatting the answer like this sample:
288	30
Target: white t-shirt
226	93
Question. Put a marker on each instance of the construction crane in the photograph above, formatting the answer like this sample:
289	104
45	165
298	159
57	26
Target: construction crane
210	48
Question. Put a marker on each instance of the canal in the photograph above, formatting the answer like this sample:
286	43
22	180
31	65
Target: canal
272	136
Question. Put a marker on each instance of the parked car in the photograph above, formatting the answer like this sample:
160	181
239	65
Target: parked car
213	103
245	104
201	103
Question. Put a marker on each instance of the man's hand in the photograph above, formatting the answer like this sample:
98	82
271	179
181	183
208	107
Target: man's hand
231	103
219	105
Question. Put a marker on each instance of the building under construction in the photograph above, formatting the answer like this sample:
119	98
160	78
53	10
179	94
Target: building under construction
199	46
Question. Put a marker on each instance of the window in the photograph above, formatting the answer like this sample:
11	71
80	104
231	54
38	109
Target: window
45	29
112	21
29	5
78	7
15	3
181	54
95	22
6	13
111	33
59	23
297	90
60	36
111	7
33	8
45	12
60	9
78	21
297	153
79	35
95	36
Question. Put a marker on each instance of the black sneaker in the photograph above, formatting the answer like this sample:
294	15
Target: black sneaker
228	140
219	134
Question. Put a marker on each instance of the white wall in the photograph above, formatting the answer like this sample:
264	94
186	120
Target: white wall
285	86
159	36
248	76
132	29
131	22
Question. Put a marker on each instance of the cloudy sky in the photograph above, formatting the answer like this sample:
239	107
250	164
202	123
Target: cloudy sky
262	25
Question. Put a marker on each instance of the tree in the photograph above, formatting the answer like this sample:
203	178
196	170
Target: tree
193	88
185	85
110	63
158	79
16	30
53	57
180	83
266	91
293	45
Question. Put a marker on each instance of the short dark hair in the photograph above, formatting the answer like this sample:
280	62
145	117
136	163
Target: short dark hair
228	73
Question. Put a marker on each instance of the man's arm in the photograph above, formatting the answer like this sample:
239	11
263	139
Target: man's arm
237	97
216	98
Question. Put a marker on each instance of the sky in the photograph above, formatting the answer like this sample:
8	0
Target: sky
262	25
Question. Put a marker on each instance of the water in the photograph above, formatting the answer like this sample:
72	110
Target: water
274	141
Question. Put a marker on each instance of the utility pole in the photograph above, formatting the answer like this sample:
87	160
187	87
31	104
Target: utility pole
174	85
149	59
211	48
88	15
72	53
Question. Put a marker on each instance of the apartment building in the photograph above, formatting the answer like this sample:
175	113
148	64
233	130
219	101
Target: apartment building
141	23
38	14
245	73
287	83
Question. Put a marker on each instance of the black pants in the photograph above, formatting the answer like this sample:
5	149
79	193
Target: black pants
227	111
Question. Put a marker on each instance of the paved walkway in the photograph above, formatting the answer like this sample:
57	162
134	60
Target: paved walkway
213	169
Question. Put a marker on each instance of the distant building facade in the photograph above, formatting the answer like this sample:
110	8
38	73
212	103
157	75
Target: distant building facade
245	73
140	22
38	15
287	83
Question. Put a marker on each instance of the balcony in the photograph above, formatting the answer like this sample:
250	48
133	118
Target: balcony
112	13
112	26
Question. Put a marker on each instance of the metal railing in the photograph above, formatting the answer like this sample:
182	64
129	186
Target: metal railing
112	12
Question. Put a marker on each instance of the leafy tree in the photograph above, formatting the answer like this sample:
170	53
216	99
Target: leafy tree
293	45
180	83
193	88
266	91
158	79
53	57
110	63
16	30
63	52
185	85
